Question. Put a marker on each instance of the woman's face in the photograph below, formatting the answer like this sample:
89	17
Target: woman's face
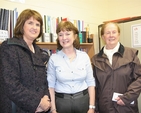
31	29
111	35
66	38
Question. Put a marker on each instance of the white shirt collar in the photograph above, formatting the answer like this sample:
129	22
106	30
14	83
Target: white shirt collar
111	51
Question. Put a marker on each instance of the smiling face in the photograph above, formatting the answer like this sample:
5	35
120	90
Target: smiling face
111	35
31	29
66	39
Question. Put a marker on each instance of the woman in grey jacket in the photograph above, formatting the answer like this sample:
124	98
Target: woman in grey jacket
23	85
117	70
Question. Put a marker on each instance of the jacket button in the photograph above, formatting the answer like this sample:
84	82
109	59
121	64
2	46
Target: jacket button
34	67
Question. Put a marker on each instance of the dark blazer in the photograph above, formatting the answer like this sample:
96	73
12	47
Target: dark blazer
22	76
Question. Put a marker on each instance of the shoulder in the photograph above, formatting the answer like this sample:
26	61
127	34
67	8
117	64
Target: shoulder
8	51
5	45
10	42
130	51
56	56
97	56
82	55
129	54
80	52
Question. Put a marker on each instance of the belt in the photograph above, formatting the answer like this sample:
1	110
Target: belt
75	95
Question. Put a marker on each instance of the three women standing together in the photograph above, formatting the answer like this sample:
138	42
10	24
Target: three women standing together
70	77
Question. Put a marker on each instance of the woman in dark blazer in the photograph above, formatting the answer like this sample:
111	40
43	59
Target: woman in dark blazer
23	84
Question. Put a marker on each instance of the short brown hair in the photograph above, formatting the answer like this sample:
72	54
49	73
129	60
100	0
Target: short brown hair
25	15
68	26
105	24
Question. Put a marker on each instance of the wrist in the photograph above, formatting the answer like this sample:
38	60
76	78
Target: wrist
52	110
91	107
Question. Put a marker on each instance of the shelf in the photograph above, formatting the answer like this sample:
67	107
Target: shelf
88	46
48	43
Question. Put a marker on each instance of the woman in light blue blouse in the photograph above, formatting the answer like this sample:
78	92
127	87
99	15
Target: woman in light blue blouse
70	75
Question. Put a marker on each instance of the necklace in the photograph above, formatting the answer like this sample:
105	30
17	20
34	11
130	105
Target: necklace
72	57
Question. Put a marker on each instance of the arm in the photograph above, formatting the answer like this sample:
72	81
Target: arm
44	104
91	85
52	94
91	91
51	78
96	87
134	88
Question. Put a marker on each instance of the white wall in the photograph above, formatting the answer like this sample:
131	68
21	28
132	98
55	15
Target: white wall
124	8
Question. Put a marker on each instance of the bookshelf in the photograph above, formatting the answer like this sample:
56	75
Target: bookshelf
49	37
88	46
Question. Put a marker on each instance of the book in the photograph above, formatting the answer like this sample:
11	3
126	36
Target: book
54	38
5	20
1	17
83	36
75	23
15	16
11	23
45	26
46	37
64	19
48	24
80	37
54	27
78	25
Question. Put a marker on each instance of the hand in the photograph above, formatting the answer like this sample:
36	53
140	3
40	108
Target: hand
91	111
54	111
119	101
44	104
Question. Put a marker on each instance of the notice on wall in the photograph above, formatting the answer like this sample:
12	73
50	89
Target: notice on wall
136	35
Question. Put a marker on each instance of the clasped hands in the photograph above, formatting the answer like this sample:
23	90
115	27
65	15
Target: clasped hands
44	104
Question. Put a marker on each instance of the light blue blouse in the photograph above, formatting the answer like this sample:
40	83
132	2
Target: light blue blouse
70	77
